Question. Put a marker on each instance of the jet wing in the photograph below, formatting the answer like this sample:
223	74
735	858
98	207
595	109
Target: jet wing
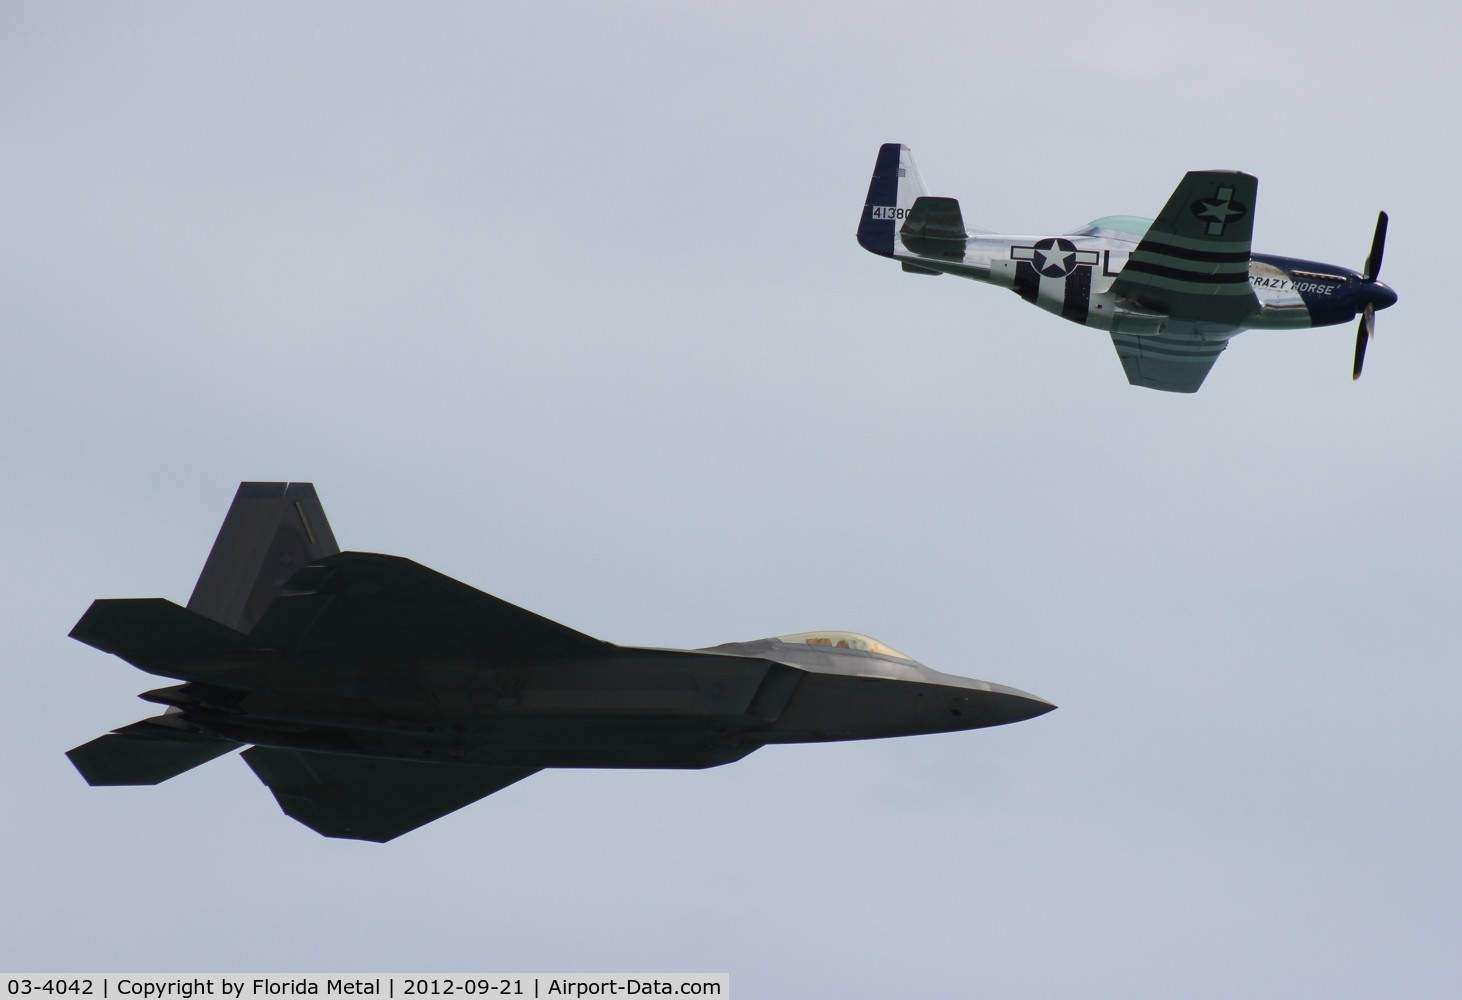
376	606
1193	264
366	798
1177	360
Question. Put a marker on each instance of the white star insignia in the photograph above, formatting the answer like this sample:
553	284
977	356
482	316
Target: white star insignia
1055	257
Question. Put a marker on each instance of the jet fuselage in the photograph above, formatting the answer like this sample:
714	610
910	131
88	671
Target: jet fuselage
627	707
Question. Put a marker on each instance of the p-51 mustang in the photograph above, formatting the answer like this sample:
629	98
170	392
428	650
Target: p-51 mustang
1170	291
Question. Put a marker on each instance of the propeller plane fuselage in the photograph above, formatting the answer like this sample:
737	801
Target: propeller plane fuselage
1171	291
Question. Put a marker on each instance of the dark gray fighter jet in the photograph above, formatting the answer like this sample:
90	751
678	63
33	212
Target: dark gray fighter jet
379	695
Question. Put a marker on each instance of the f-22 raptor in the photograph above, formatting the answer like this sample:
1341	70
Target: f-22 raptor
1171	291
379	695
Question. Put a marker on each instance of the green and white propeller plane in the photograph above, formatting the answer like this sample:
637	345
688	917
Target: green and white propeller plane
1171	291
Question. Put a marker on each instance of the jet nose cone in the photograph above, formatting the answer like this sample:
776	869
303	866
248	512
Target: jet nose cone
1379	294
976	705
1017	707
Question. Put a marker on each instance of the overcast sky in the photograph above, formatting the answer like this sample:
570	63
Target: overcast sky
563	300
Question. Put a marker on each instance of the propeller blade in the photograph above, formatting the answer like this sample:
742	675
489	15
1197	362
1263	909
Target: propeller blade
1363	334
1378	246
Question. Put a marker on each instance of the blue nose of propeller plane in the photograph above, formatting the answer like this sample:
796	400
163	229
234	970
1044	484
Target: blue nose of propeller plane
1378	295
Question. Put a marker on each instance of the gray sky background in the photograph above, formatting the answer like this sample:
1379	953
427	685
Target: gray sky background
563	300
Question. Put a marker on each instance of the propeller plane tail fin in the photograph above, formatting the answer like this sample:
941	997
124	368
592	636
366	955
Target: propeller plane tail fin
892	191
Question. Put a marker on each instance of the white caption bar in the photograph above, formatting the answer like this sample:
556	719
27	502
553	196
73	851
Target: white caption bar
397	986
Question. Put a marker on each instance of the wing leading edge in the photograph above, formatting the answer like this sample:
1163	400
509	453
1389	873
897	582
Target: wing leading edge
360	603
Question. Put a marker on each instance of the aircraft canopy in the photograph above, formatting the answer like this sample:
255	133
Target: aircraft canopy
844	640
1120	225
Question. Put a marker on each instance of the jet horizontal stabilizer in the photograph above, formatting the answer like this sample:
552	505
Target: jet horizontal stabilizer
147	629
146	753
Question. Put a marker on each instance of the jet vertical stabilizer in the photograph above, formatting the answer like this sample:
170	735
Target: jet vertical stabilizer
271	530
